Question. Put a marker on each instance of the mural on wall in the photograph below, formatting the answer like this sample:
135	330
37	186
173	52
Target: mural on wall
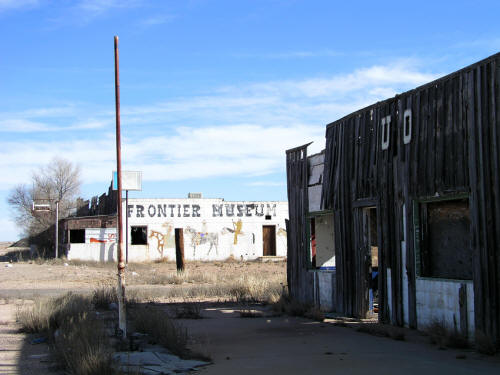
281	234
200	238
163	239
236	230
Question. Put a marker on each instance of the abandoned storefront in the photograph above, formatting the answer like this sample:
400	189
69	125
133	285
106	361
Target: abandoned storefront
404	218
213	229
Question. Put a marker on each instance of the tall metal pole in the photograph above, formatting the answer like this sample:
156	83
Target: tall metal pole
122	321
57	229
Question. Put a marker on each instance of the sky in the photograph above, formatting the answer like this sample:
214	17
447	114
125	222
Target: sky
212	92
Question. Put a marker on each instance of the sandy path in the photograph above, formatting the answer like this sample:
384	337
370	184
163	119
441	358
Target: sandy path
17	355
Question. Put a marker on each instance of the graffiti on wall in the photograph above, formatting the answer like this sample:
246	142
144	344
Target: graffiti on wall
236	230
200	238
100	235
282	232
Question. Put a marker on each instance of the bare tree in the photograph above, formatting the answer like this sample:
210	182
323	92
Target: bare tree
58	181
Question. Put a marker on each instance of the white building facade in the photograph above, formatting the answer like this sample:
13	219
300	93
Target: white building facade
213	229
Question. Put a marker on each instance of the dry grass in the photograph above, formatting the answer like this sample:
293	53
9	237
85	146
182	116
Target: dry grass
102	297
161	329
444	337
376	329
83	346
485	344
49	314
80	340
289	306
188	310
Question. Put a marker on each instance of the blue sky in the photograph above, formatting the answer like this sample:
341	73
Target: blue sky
213	92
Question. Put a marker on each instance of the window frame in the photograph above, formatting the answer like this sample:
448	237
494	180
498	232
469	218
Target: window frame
417	232
131	237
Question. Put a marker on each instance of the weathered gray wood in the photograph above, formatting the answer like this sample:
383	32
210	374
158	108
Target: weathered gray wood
454	149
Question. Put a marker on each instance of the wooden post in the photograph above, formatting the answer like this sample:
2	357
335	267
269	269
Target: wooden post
179	249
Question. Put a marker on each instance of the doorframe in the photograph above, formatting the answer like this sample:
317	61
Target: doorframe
274	242
363	256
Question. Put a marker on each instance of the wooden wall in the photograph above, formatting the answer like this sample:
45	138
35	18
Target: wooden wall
454	150
300	281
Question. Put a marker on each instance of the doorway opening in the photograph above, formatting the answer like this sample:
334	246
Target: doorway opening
268	240
372	243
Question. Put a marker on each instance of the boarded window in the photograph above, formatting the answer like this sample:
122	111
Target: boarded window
445	250
139	235
77	236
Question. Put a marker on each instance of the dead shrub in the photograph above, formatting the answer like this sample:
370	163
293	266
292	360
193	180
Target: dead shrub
314	313
444	337
103	296
163	330
188	310
83	346
376	329
80	340
485	344
49	314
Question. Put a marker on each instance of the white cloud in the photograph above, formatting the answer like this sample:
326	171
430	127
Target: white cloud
156	20
17	4
98	7
236	131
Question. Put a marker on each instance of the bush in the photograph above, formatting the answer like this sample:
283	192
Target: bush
102	297
83	346
80	339
156	323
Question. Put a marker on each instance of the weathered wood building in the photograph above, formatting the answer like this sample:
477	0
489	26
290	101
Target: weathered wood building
410	190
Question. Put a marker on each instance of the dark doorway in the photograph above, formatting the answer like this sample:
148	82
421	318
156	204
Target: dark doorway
367	262
269	240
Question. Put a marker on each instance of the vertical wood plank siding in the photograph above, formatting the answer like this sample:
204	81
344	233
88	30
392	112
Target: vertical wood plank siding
454	149
300	281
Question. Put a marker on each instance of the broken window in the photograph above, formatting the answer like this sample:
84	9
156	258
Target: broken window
77	236
322	246
139	235
444	234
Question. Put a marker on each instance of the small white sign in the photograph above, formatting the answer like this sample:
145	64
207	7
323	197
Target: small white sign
131	180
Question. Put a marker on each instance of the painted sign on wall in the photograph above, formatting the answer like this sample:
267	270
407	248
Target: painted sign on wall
195	210
100	235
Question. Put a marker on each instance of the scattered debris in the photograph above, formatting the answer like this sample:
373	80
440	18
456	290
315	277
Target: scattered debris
39	340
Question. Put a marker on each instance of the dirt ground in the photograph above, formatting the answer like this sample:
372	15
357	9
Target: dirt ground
264	345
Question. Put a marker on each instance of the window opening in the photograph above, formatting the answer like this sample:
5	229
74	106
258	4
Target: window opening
407	126
139	235
77	235
322	245
268	217
444	249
